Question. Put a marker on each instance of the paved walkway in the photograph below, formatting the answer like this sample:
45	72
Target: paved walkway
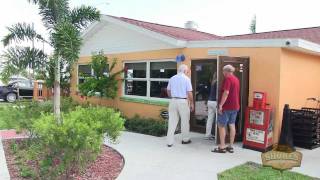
148	157
4	173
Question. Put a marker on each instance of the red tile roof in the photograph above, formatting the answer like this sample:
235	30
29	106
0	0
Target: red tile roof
174	32
310	34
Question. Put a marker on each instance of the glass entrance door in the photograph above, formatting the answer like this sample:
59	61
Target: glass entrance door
202	72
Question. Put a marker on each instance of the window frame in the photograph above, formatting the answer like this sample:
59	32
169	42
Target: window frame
148	79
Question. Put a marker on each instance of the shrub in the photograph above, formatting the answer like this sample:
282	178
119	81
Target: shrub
59	149
101	83
21	115
69	146
146	126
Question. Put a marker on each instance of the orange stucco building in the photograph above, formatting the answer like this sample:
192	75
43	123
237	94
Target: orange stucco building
284	66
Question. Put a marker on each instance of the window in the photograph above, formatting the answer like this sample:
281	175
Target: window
84	70
148	79
137	88
105	71
136	70
158	89
163	69
25	84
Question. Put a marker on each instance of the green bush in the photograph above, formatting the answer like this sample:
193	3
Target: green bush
69	146
147	126
101	84
21	114
59	149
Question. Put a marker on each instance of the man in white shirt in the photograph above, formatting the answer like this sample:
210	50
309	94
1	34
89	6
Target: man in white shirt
180	90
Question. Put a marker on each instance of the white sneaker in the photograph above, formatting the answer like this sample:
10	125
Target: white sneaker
209	138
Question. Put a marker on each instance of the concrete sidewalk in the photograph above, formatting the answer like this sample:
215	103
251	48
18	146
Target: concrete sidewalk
148	157
4	173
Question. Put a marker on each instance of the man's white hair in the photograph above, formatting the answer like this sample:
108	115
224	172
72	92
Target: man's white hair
228	68
182	68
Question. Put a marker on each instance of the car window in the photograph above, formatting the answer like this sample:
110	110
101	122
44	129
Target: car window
12	84
24	84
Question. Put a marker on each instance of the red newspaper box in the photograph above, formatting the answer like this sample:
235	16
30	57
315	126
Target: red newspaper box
258	129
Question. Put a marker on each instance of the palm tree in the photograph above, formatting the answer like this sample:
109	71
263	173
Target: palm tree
19	59
253	24
64	25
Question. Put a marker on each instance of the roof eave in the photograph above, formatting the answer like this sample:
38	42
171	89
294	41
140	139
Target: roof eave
294	44
307	47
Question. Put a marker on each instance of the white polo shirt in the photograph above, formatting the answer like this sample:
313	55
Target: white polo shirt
179	86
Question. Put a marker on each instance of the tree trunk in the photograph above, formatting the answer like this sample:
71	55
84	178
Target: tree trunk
56	97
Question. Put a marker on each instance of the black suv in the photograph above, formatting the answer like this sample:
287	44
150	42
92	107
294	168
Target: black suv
17	89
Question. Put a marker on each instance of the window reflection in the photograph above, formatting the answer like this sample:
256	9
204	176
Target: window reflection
83	70
137	88
159	89
163	69
135	70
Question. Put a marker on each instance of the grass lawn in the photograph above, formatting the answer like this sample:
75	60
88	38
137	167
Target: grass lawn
254	171
2	123
2	103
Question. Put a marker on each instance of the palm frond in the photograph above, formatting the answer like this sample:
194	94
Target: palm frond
82	16
67	41
21	32
19	59
52	11
25	57
10	70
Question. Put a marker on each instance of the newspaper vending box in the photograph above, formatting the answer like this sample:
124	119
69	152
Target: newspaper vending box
258	129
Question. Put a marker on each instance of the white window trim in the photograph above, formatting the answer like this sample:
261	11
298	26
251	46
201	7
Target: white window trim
147	79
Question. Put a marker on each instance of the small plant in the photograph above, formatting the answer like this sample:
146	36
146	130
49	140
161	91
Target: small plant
26	172
14	148
69	146
146	126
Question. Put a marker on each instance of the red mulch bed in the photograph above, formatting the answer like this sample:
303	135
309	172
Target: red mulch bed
107	166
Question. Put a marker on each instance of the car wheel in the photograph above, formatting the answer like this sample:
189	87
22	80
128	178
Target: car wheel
11	97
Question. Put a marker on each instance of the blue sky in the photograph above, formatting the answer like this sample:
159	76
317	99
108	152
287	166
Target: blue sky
221	17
